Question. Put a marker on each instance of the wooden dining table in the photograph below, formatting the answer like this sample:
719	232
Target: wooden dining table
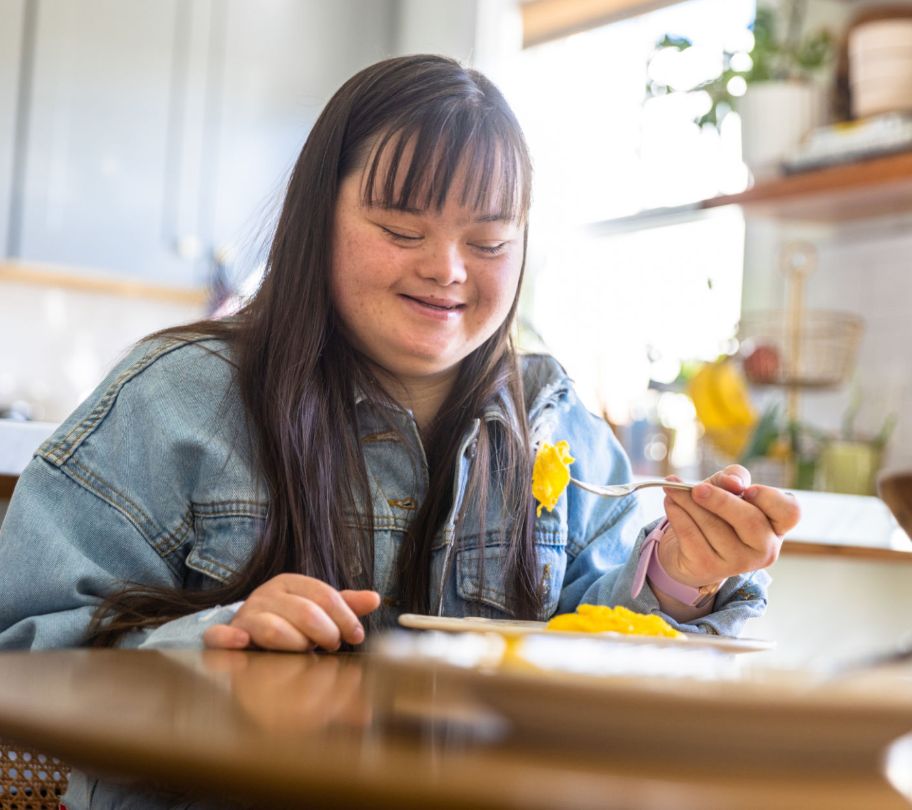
310	730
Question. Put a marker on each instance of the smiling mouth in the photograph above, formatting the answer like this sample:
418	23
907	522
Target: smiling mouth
440	307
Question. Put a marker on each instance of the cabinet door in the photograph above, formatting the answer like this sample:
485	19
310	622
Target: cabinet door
12	21
159	130
109	108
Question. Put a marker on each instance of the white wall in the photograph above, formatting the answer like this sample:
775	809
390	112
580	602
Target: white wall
57	344
479	33
862	268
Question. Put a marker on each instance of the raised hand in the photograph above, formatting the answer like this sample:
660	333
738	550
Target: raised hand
724	526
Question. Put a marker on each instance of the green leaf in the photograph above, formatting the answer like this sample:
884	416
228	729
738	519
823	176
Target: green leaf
672	41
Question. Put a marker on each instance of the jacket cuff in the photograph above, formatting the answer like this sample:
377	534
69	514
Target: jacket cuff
185	632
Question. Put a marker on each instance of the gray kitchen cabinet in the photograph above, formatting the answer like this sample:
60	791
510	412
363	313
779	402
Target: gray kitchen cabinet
110	83
155	133
12	19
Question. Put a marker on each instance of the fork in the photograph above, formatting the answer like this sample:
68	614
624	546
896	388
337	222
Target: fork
620	490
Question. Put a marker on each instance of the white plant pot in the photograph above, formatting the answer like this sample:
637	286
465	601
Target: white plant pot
775	116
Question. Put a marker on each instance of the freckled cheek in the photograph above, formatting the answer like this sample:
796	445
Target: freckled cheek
499	291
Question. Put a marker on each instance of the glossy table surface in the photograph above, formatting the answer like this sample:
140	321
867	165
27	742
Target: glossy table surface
342	730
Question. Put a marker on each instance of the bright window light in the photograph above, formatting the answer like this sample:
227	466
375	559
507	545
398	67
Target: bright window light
621	309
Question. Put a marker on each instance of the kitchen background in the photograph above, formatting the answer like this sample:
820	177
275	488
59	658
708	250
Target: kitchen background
144	145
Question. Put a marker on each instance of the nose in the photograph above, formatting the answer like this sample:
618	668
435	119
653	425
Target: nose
444	264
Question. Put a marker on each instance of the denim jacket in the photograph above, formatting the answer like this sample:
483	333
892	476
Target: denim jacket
151	480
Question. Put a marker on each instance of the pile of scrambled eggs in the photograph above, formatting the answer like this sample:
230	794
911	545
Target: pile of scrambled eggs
600	619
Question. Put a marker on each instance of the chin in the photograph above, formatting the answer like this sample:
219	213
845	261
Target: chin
414	364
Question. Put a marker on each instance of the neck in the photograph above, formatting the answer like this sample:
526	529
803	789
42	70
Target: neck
422	396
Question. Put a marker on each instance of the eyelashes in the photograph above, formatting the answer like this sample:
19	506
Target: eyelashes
399	237
407	239
492	250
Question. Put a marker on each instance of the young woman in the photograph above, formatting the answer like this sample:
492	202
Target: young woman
357	441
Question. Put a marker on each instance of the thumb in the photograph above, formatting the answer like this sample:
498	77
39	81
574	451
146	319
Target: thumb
225	637
362	602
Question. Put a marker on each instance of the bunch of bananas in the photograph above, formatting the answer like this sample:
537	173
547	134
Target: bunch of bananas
720	397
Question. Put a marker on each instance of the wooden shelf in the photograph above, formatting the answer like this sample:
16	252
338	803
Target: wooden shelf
545	20
865	189
853	191
92	281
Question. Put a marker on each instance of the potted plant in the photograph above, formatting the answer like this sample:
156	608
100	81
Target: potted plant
772	85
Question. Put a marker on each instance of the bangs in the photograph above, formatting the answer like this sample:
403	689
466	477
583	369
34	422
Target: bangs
413	167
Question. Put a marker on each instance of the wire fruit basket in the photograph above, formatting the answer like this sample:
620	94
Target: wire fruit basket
820	354
799	348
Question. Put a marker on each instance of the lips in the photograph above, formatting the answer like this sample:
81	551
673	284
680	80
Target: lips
441	304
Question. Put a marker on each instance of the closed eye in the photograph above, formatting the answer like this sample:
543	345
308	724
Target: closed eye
396	236
492	250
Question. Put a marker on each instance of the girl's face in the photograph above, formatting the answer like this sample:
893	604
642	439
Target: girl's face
419	290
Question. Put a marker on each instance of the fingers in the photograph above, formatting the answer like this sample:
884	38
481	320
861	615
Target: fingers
749	539
725	525
697	526
292	622
272	631
225	637
733	478
361	602
781	508
336	609
749	523
296	612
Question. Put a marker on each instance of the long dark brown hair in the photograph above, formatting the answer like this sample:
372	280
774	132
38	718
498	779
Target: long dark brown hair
297	375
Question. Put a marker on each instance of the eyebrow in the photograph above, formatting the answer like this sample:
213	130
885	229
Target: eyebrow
502	216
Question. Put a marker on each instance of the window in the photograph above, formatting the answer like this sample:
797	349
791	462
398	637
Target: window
619	309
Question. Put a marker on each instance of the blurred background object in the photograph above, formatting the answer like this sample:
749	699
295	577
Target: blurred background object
775	74
880	61
895	489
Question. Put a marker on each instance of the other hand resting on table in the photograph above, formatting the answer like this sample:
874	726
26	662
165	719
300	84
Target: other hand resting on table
295	613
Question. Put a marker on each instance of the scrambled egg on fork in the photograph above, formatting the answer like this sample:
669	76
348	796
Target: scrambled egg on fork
550	474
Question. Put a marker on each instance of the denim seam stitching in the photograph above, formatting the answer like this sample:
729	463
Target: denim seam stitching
118	500
63	449
178	536
206	565
229	508
72	472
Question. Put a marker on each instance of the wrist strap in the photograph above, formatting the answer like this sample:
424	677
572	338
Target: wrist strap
650	566
639	576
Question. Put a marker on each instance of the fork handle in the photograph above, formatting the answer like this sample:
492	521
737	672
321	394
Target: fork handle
663	484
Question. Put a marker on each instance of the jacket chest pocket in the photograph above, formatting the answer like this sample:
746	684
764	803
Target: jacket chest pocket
223	543
482	577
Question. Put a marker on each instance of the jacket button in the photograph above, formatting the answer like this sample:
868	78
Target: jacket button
403	503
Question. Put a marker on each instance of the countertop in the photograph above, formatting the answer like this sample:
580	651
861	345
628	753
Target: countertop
18	441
